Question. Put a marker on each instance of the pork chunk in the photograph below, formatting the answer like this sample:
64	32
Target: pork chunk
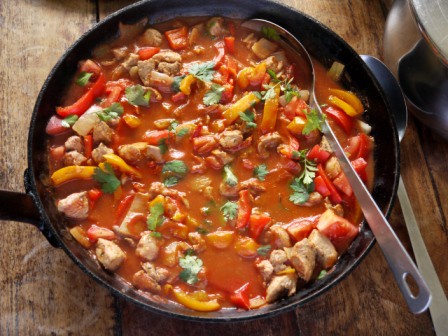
278	258
303	257
152	37
131	61
280	235
75	206
102	133
159	69
148	247
197	241
143	281
159	274
266	269
74	143
230	139
98	153
270	140
281	286
74	158
326	253
109	254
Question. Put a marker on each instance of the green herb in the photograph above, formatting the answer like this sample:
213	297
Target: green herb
309	167
257	94
301	191
107	179
249	118
83	78
229	177
270	91
273	75
111	112
260	172
173	126
156	234
263	250
171	181
191	265
213	96
173	171
203	71
155	218
270	33
162	146
321	274
136	95
202	231
229	210
183	132
69	121
205	211
314	122
176	83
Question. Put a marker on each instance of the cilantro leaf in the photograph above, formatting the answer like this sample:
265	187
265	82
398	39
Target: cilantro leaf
173	171
314	122
83	78
301	191
270	92
183	132
249	118
191	265
136	95
260	172
69	121
203	71
322	274
270	33
273	75
171	181
263	250
213	96
229	177
107	179
111	112
173	125
155	218
229	210
162	146
176	83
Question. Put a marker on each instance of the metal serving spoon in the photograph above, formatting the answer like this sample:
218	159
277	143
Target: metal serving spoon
439	304
398	259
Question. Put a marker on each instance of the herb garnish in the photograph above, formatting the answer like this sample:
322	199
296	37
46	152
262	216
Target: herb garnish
229	210
69	121
263	250
107	179
229	177
260	172
191	265
270	33
249	118
83	78
314	122
203	71
213	96
173	171
136	95
155	218
301	191
111	112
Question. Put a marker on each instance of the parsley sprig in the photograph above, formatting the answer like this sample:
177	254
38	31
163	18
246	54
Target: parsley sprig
301	192
260	172
137	95
314	122
229	210
107	179
83	78
213	96
203	71
248	117
290	90
111	112
270	33
173	172
229	177
191	265
155	218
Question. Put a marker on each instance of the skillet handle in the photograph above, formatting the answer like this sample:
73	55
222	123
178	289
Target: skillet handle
20	207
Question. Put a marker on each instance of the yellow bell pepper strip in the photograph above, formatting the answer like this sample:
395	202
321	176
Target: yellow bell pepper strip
347	108
71	173
257	75
233	112
118	162
81	236
132	121
186	83
242	78
296	125
189	301
270	111
349	98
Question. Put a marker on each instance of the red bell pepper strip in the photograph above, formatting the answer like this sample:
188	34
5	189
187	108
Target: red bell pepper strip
241	297
178	97
229	42
83	103
359	165
88	146
320	186
340	117
257	223
318	154
154	137
94	194
244	209
96	232
147	52
123	206
177	38
335	198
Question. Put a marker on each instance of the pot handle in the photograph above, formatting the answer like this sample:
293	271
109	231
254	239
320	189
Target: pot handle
20	207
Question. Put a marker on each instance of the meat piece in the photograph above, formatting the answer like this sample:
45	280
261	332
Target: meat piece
231	139
131	61
325	251
133	153
204	144
162	81
303	257
197	241
216	27
102	133
143	281
168	56
169	69
278	258
281	286
98	153
109	254
314	199
120	53
263	48
152	37
254	186
75	205
280	236
148	247
270	140
74	158
156	96
154	153
74	143
337	208
227	190
266	269
145	69
277	61
158	188
223	157
332	168
159	274
152	71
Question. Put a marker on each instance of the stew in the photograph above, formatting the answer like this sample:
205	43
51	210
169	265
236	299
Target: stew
187	160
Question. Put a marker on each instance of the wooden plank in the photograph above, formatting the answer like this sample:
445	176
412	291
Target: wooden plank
42	291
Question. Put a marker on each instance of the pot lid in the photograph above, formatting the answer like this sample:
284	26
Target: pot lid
432	19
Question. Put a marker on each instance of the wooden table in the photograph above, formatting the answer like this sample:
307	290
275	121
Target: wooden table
43	292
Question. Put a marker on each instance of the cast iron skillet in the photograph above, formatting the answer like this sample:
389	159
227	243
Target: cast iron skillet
38	208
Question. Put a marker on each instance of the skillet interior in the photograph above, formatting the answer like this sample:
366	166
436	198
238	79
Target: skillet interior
323	44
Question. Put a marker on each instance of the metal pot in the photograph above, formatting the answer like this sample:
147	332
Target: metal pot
38	208
416	50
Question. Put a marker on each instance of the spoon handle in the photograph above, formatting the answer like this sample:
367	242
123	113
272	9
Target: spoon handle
398	259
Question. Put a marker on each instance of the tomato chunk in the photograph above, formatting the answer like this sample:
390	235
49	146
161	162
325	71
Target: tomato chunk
338	229
340	117
257	223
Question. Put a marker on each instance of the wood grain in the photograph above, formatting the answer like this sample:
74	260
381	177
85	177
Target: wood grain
43	292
